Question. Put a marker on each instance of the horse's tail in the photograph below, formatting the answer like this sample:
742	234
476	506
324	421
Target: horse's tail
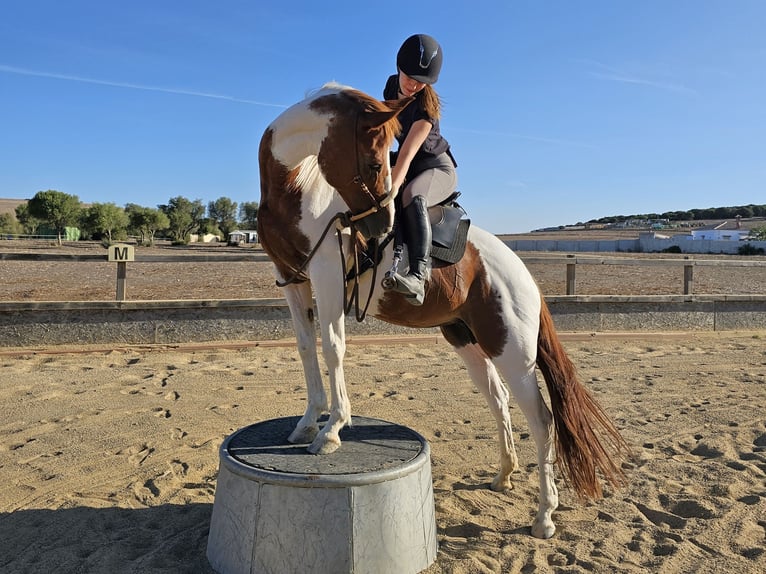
584	434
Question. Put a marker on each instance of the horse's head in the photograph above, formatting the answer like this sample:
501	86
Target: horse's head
354	156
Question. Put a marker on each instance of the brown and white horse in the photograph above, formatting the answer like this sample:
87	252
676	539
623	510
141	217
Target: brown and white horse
325	184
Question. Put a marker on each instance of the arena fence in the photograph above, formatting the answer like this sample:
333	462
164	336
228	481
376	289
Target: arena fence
25	324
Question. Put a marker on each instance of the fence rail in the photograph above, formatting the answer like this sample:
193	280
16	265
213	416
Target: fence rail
686	265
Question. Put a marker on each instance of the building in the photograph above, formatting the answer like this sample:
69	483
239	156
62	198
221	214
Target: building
239	236
725	231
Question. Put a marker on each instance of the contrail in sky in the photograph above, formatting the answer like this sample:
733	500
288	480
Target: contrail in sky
38	74
615	75
553	141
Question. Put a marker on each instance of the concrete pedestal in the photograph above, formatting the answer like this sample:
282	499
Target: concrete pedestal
368	507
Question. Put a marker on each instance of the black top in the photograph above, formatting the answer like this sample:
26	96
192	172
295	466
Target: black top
434	144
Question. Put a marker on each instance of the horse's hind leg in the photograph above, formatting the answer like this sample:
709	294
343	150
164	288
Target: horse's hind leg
485	377
301	305
523	384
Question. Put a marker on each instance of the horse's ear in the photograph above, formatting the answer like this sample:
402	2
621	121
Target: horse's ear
376	119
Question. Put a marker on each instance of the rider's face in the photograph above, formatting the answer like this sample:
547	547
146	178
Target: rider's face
408	86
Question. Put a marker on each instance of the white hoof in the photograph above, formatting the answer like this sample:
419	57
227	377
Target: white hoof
501	483
303	435
324	444
543	528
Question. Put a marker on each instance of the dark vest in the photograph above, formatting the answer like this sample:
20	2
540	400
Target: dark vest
430	153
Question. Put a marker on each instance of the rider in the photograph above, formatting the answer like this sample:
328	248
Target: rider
424	164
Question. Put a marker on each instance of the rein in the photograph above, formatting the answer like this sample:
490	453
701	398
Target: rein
298	276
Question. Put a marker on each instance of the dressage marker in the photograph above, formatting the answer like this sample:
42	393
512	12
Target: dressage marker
367	508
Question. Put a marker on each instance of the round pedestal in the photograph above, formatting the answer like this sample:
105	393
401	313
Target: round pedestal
368	507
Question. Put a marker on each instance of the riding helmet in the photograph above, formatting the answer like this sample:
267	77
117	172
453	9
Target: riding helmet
420	57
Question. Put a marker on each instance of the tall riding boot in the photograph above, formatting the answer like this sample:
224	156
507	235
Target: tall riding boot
418	233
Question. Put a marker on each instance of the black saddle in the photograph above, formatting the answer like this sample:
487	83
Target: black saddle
449	230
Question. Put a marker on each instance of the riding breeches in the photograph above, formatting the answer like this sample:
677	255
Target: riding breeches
435	185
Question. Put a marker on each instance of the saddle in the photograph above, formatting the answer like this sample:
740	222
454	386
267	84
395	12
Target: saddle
449	230
449	233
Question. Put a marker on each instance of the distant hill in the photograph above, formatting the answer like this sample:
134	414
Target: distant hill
9	205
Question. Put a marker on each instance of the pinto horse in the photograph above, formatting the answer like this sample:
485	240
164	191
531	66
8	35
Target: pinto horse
326	188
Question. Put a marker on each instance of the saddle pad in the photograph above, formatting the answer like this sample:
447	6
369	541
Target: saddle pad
454	253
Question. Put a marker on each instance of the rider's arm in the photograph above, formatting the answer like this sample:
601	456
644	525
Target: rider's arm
415	138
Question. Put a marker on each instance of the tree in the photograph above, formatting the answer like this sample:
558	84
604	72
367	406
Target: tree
9	224
185	217
105	219
248	214
56	208
208	226
28	223
146	221
757	234
223	212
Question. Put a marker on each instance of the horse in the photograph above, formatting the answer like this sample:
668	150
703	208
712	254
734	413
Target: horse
325	179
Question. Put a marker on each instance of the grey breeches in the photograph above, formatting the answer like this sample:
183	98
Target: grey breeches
435	184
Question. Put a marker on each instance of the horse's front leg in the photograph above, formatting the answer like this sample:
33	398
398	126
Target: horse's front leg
328	288
301	305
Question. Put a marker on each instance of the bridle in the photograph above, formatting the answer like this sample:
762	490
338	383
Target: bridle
377	203
349	220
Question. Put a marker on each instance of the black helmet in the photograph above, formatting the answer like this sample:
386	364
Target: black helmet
420	57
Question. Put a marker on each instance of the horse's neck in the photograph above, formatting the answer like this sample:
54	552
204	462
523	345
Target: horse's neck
298	135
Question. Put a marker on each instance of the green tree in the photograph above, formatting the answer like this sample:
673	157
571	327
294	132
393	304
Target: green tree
56	208
9	224
105	219
28	223
185	217
208	226
757	234
223	212
145	222
248	214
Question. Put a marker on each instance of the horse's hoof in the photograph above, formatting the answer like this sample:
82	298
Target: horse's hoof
324	445
501	484
303	435
543	529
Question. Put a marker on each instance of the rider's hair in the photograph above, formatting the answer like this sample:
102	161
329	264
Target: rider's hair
431	102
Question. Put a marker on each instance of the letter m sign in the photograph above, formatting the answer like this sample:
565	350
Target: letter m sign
121	252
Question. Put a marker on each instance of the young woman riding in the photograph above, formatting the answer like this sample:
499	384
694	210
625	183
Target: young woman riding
424	169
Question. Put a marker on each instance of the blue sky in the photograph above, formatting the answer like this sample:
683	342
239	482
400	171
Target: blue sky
558	111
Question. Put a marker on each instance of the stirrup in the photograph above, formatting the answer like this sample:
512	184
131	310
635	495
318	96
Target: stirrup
411	286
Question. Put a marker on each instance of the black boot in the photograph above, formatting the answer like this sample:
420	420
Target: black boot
418	232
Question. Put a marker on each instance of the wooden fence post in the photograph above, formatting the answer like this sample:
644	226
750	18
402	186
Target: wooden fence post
571	278
122	278
688	278
121	253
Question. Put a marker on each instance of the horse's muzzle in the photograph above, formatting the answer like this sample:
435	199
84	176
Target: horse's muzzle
375	225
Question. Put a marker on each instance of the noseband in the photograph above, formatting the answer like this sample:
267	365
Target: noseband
378	204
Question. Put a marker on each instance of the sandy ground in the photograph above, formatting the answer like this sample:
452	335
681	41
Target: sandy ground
108	459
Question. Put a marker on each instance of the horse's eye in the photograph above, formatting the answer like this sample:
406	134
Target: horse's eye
376	167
